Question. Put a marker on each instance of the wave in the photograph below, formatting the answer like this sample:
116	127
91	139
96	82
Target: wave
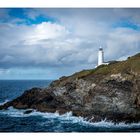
67	118
2	103
12	112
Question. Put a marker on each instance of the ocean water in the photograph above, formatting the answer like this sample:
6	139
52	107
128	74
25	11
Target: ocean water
14	120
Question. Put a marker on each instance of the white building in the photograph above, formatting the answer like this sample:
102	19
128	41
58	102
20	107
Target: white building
101	57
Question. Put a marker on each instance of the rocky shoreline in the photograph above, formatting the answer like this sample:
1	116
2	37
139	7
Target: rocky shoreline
110	92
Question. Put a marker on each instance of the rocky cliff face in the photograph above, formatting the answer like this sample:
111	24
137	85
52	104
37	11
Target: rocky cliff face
109	92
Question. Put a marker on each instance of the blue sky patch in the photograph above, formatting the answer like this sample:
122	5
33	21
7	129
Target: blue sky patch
126	24
20	14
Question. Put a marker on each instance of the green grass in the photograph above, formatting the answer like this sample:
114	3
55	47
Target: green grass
132	64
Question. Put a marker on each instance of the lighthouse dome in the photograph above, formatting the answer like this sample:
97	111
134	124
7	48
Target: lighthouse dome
101	49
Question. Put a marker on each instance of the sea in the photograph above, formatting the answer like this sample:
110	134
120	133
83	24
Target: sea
15	120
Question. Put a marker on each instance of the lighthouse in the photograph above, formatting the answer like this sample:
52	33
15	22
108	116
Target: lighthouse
100	56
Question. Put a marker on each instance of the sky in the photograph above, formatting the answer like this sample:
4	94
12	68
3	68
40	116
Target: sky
54	42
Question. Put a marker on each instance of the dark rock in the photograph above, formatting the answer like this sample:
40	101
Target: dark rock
28	111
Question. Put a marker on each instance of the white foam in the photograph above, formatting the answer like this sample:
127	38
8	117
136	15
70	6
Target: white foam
109	124
67	117
2	103
13	112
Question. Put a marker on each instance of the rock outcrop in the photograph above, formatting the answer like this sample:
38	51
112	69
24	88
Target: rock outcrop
109	92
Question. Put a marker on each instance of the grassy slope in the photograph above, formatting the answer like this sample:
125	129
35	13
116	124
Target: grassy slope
128	67
132	64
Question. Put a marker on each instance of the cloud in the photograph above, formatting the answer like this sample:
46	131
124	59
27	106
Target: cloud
46	44
70	43
122	42
25	44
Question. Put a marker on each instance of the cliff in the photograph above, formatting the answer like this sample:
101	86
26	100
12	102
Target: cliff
109	92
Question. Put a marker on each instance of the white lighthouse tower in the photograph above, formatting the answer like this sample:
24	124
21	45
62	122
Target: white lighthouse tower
100	56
